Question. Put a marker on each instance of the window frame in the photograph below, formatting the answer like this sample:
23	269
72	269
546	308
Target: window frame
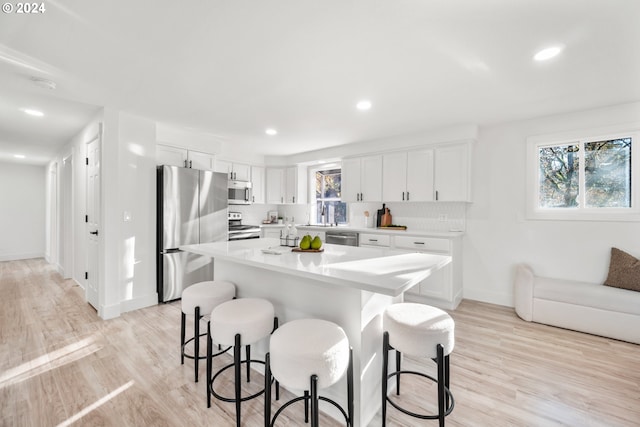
582	213
312	188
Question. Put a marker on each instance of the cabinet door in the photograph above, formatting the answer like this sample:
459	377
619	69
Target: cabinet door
371	179
224	167
172	156
350	180
420	176
394	174
275	184
438	285
291	185
452	173
198	160
257	183
241	172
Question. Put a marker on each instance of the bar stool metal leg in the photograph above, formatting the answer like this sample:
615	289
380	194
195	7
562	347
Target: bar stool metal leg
236	361
183	324
314	401
196	343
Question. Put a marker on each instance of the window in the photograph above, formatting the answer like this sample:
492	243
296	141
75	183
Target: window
583	178
327	195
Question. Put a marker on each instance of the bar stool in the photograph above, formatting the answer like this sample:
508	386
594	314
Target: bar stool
423	331
197	299
237	323
309	354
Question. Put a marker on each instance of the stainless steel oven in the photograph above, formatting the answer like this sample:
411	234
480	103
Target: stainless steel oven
239	192
239	231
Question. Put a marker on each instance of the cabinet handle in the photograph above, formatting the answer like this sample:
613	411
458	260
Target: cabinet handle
436	194
294	199
185	163
281	199
403	195
418	243
361	197
407	196
253	199
190	164
373	240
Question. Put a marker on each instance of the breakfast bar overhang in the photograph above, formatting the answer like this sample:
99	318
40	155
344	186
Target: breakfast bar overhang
350	286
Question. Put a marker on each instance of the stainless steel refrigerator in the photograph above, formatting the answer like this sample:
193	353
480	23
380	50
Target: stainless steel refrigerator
192	208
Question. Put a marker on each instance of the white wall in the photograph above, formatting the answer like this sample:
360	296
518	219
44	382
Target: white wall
127	276
22	211
498	234
137	190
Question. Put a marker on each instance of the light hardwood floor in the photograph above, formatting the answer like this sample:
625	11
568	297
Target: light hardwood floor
61	365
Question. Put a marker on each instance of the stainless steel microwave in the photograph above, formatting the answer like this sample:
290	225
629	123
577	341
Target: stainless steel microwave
239	192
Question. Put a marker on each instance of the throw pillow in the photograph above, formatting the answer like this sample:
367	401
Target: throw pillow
624	271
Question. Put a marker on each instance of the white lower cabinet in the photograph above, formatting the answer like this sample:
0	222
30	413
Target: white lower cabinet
271	232
444	287
366	239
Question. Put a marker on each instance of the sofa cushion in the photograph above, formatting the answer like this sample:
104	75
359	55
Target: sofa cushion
624	271
587	294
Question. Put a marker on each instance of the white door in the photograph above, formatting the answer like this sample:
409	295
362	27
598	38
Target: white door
350	180
92	276
172	156
452	173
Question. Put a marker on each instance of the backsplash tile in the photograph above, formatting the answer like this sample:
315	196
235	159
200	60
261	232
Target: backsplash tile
422	216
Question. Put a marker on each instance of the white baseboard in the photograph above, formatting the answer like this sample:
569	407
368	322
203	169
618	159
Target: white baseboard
139	302
107	312
491	297
17	257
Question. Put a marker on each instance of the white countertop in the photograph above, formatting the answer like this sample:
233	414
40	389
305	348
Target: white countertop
380	270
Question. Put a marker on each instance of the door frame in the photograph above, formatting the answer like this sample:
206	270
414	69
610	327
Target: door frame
97	275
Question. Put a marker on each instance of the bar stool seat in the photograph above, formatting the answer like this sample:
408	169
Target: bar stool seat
237	323
309	354
422	331
197	300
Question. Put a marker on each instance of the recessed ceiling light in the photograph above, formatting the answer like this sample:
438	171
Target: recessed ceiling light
363	105
547	53
271	132
19	156
31	112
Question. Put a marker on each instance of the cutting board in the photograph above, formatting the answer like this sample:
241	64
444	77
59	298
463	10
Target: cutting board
395	227
307	250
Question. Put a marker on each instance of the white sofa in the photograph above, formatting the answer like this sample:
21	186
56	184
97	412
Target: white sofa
585	307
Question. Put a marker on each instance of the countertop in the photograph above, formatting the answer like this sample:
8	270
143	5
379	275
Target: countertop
408	232
380	270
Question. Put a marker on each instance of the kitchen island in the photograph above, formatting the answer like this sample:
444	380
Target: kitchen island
350	286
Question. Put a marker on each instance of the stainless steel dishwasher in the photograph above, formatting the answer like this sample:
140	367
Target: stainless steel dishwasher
346	238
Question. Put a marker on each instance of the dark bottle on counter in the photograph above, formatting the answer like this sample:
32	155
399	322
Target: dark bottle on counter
379	216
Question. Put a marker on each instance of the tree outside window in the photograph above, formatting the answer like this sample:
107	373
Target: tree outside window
583	175
328	193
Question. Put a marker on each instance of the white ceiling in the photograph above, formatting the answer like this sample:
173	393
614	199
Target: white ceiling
235	68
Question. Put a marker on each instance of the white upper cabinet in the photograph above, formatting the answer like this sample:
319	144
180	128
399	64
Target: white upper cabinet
420	175
408	176
286	185
237	171
181	157
452	173
257	182
275	186
171	156
203	161
362	179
